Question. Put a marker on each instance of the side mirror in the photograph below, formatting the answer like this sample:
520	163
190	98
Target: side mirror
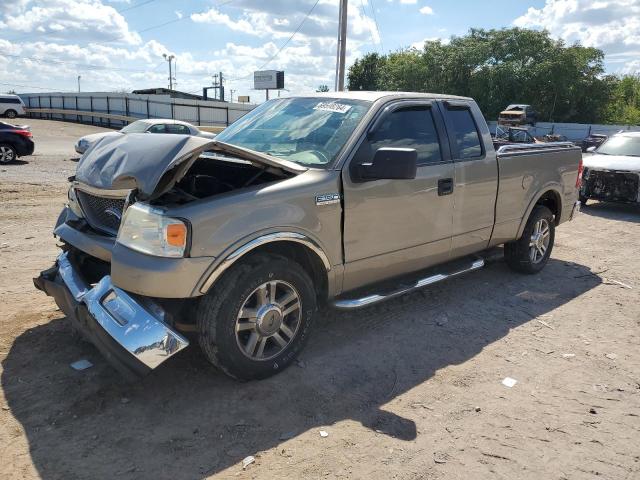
591	149
390	164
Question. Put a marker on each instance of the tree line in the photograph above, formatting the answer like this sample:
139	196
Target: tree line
564	83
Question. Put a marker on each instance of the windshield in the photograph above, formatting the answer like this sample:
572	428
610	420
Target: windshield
139	126
308	131
621	145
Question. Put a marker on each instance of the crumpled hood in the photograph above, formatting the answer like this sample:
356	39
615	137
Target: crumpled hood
140	160
611	162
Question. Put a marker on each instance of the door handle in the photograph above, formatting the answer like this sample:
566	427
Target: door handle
445	186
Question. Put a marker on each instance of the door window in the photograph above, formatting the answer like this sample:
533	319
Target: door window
411	127
465	134
159	128
177	128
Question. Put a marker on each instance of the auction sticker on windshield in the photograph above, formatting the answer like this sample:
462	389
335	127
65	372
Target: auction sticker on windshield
333	107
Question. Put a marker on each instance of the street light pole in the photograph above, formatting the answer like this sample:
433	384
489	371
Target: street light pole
79	76
342	46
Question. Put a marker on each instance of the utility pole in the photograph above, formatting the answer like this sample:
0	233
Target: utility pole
342	46
79	76
232	92
169	58
218	84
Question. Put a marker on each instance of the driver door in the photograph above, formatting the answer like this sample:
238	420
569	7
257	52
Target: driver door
392	227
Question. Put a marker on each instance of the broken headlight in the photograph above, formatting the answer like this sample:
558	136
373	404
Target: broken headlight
147	230
73	203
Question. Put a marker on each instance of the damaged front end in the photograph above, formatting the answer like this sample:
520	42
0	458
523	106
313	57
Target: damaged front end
129	333
610	185
105	241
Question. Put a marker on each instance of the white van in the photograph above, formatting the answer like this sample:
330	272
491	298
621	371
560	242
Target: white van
11	106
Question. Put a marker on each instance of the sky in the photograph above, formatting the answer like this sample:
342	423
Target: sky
118	45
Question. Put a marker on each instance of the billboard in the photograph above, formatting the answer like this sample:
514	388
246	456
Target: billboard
268	79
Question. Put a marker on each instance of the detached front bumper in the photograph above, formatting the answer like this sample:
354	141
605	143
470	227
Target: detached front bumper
131	336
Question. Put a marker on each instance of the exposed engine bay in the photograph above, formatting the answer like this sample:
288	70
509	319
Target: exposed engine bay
214	173
610	185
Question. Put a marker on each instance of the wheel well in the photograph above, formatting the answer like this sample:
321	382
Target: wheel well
551	200
305	257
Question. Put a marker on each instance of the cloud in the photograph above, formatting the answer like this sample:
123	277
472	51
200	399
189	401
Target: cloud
67	20
426	10
63	40
612	25
420	45
214	17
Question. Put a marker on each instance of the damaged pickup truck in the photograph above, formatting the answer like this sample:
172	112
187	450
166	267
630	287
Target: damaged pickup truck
347	199
612	172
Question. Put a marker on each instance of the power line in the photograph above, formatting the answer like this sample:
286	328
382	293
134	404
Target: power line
371	31
126	9
33	86
46	34
153	27
375	20
92	67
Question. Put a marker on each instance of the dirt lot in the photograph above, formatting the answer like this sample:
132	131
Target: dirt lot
409	390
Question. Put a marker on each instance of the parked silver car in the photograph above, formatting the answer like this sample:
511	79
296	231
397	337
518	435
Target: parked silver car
346	199
155	125
612	171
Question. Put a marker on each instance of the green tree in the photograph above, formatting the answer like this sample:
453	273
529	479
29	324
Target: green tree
365	73
322	88
496	68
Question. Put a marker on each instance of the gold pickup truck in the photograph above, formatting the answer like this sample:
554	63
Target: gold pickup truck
346	199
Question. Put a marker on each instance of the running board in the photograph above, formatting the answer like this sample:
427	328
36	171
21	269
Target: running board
352	303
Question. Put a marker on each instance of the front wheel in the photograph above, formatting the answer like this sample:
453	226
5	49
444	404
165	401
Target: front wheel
531	252
257	317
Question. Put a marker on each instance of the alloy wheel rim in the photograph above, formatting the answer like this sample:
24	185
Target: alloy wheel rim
268	320
6	154
540	238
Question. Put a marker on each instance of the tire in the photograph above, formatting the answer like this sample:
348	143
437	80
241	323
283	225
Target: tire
246	347
531	252
7	153
11	114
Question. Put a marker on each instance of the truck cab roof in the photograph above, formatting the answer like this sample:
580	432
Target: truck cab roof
374	96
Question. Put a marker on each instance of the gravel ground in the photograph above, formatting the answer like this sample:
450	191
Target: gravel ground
411	389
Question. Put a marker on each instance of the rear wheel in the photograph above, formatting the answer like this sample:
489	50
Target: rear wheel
257	317
11	113
531	252
7	153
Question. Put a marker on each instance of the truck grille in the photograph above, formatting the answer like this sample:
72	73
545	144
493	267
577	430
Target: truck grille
102	213
613	186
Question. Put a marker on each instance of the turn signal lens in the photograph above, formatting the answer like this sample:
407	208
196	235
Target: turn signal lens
176	234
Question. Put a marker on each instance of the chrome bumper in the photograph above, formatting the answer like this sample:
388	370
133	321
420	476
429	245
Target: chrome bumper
137	338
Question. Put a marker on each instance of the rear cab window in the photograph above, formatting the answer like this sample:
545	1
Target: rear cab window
463	132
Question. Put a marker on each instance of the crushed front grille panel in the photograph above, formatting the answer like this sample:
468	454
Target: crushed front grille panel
102	213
